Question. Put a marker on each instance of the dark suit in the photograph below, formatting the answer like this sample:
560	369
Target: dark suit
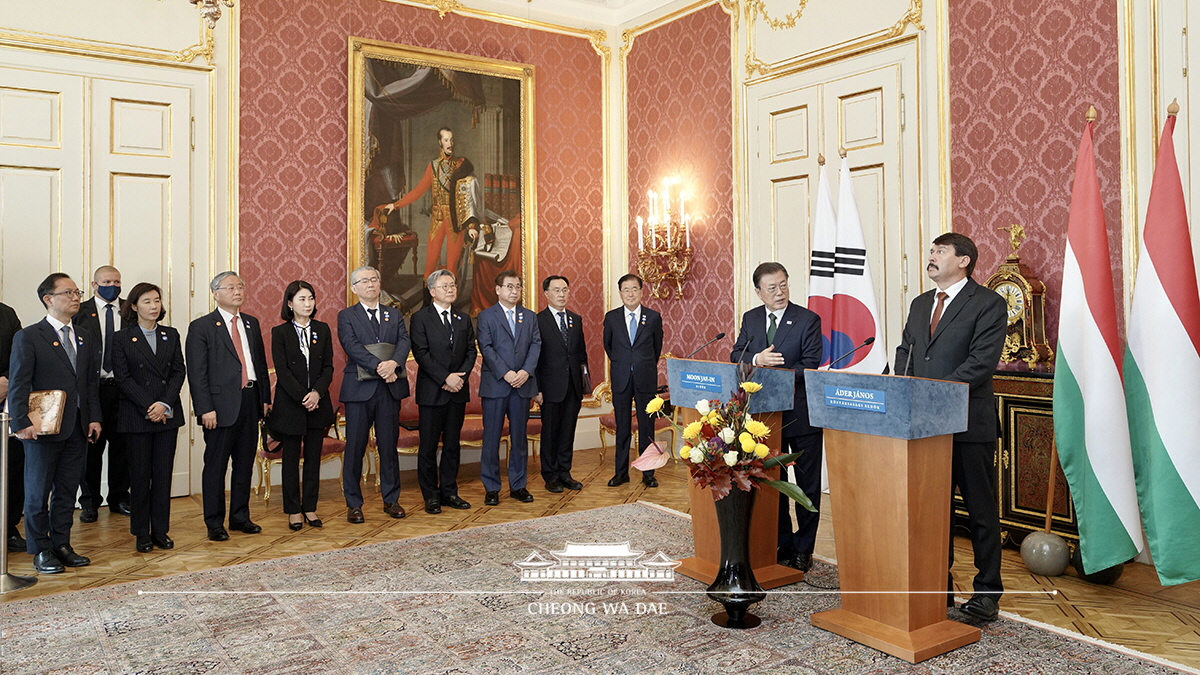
296	428
147	375
503	351
372	402
966	348
53	463
438	353
560	378
798	340
633	372
9	325
90	318
215	382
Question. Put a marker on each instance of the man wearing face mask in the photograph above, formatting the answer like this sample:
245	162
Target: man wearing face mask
101	316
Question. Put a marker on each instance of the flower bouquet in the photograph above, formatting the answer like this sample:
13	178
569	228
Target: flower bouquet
724	447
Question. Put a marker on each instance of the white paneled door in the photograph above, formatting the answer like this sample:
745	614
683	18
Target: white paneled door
98	165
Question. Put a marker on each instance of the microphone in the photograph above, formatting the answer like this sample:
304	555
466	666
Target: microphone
718	337
908	360
866	342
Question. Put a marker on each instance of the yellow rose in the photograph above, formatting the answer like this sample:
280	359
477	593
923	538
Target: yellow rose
692	430
761	451
758	429
685	451
748	442
751	387
654	405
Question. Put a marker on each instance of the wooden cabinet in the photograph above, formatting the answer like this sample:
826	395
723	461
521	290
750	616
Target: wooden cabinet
1024	402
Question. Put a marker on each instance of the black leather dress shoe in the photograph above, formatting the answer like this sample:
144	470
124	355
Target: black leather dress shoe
121	508
47	563
433	506
456	502
248	527
491	498
801	561
394	510
218	533
67	556
983	607
554	486
16	543
162	541
572	484
144	545
295	527
521	495
354	515
314	522
649	481
618	479
88	516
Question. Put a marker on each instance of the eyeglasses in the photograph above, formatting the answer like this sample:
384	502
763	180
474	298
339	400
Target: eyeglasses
239	287
775	288
366	280
76	293
512	287
446	287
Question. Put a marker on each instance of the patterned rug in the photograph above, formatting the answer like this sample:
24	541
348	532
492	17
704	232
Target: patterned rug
454	603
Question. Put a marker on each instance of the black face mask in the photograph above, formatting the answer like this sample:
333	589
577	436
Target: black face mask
109	293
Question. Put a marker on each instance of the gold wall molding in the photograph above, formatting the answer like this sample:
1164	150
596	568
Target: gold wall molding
63	44
755	66
211	10
598	38
756	8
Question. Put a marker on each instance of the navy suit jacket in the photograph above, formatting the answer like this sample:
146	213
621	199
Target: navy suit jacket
215	377
637	361
354	332
965	348
145	377
437	356
295	377
9	325
560	368
798	339
503	352
40	362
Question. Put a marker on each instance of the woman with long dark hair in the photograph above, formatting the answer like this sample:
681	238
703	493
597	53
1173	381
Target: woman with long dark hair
148	367
302	350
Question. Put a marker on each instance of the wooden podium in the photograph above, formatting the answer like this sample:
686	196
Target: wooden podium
888	443
765	518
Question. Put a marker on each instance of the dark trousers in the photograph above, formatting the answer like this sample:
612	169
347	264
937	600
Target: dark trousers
558	437
236	442
52	472
972	470
494	412
312	440
16	484
622	400
118	456
439	423
151	462
383	412
808	479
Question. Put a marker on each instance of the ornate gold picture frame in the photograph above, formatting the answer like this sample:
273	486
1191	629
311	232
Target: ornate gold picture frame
441	171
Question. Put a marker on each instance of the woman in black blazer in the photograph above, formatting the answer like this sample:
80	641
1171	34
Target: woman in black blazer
148	366
302	350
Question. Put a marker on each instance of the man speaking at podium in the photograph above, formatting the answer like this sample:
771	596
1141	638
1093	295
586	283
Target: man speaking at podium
959	338
780	334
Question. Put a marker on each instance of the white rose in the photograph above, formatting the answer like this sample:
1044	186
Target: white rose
727	435
731	457
696	457
702	407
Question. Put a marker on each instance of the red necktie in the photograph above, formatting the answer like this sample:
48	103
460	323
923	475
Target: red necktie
237	347
937	312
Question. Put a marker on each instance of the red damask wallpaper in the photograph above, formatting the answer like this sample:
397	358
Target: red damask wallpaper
293	144
1022	75
680	116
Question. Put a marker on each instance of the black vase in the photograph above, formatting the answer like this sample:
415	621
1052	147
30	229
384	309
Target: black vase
735	586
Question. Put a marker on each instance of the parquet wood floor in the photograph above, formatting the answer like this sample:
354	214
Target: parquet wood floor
1136	612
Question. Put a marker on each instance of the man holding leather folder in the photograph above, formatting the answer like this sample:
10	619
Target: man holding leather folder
52	355
373	384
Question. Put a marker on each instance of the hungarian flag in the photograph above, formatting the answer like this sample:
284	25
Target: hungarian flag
841	290
1090	424
1162	376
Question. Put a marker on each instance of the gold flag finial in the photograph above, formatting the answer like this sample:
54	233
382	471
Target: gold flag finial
821	159
1091	113
842	152
1173	109
1016	235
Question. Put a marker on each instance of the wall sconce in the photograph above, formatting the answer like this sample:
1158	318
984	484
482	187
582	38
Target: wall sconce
664	255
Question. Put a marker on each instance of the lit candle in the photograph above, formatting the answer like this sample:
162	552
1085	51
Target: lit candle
666	203
687	229
639	224
682	210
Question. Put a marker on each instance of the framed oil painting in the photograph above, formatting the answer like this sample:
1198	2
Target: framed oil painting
441	171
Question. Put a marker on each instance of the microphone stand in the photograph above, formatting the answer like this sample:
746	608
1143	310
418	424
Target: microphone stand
8	582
